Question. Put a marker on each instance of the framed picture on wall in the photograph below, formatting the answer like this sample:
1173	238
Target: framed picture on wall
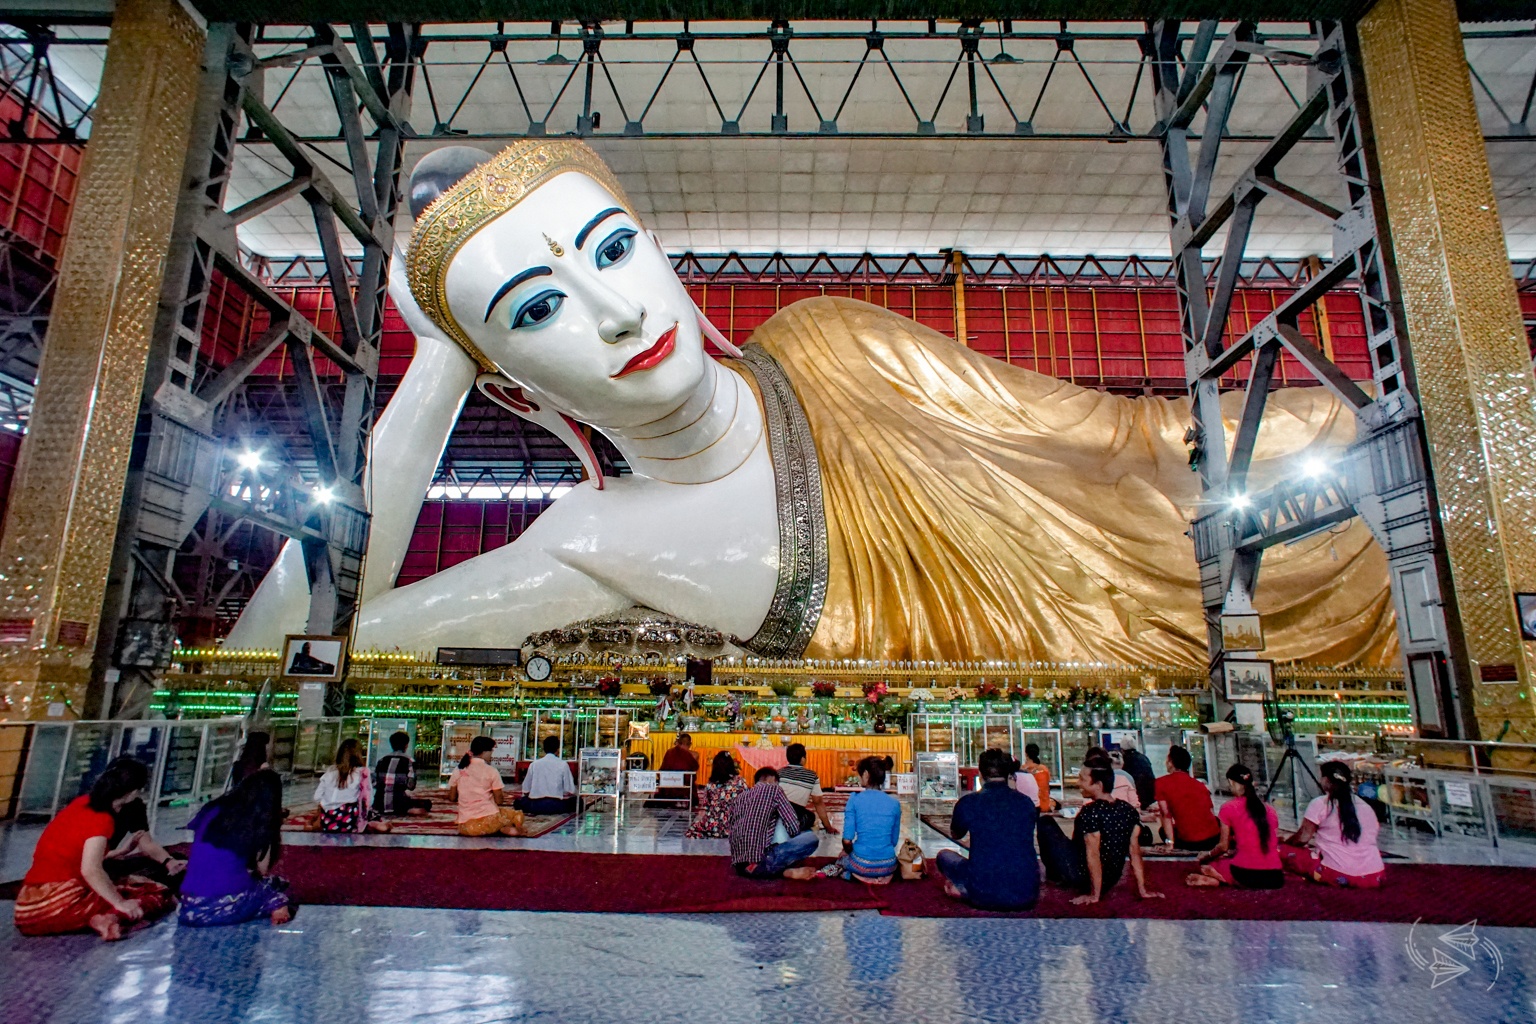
314	657
1525	606
1242	632
1248	679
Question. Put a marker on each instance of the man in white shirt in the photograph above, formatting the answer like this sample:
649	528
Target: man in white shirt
548	787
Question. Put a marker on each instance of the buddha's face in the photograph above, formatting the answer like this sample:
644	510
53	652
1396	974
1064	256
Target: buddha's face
567	295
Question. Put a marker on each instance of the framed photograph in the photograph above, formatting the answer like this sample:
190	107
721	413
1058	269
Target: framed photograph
314	657
1525	605
1242	632
1247	679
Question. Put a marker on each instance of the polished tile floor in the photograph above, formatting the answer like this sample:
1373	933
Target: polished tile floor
335	964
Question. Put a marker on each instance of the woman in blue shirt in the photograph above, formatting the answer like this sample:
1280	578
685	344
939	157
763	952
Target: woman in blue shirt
235	842
871	829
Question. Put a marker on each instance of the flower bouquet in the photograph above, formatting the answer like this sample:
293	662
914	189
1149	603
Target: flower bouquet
660	685
824	689
609	686
783	687
1018	694
875	692
988	691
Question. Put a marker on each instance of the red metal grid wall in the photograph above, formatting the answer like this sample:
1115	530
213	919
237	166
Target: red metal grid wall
37	183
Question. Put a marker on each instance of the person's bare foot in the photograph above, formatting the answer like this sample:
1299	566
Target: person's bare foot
282	915
379	826
800	874
1201	881
951	891
107	926
417	812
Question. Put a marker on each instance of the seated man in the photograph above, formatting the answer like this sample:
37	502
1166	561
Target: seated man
548	787
1042	776
803	787
997	824
754	816
480	794
1106	832
679	758
1185	805
394	778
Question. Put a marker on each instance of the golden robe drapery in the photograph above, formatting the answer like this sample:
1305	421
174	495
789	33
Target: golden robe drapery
977	510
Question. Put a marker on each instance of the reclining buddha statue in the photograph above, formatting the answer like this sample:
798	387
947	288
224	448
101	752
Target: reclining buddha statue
849	484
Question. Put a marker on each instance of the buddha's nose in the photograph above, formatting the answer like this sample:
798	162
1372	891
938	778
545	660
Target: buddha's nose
623	321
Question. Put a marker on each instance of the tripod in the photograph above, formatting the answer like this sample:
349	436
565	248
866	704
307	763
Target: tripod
1294	758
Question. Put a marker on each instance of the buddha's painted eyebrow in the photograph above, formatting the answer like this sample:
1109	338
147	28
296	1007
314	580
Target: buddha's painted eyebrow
581	236
516	280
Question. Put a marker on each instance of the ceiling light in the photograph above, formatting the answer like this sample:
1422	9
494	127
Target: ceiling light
250	460
1238	501
1314	468
324	495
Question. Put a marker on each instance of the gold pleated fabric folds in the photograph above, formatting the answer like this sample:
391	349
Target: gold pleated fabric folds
977	510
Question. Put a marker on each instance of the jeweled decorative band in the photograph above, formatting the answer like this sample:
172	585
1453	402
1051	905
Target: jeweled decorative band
480	197
802	589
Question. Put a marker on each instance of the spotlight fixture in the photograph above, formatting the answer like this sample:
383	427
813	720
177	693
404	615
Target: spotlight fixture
324	495
1238	501
1314	468
249	460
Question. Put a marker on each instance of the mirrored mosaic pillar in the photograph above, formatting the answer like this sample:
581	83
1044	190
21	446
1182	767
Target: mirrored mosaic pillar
1470	361
67	497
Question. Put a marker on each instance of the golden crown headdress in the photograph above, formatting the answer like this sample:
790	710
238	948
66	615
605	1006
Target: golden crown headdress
478	198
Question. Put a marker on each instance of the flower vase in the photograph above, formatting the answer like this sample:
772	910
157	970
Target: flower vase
1077	718
1096	718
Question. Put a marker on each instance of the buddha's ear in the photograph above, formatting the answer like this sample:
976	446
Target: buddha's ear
534	407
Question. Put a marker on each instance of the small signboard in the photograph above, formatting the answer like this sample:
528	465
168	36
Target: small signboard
509	747
642	782
457	736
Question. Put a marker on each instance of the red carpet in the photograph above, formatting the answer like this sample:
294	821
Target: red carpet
635	883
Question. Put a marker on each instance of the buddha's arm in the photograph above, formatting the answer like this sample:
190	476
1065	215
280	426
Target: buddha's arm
408	443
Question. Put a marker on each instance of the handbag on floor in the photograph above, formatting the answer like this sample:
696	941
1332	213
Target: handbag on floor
909	858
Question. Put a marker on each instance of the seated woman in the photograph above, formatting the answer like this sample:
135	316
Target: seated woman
344	793
254	756
235	842
67	888
1343	827
725	784
480	794
1250	824
871	829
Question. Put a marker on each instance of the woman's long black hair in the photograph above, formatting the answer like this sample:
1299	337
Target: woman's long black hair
252	756
722	769
1252	802
123	776
249	818
1340	784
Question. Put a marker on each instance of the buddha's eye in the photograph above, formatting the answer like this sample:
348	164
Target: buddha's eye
538	309
615	248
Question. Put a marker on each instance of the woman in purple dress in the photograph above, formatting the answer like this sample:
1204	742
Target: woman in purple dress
235	843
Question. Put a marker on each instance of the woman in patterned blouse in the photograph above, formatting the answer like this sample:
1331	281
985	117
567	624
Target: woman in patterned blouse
725	784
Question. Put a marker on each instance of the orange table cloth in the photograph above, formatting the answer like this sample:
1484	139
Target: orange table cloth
830	755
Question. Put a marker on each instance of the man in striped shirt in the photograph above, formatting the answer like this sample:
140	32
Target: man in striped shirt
803	787
754	815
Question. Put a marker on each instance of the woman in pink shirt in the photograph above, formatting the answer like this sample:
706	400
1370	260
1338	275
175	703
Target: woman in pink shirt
1248	824
1343	827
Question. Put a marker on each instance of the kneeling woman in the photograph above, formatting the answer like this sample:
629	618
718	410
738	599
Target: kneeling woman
235	842
871	829
1249	824
67	888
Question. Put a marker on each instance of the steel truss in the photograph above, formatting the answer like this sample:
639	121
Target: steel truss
1382	477
192	459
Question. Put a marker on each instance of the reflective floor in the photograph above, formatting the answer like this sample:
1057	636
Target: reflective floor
389	965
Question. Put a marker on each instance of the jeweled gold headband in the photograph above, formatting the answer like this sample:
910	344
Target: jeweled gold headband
478	198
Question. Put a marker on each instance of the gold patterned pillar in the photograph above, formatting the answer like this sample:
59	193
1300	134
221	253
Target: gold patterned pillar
64	506
1465	341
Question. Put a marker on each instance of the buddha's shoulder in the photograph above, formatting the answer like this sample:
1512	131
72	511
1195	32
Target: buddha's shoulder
838	322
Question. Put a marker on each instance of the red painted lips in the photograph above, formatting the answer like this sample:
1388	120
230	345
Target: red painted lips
652	356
